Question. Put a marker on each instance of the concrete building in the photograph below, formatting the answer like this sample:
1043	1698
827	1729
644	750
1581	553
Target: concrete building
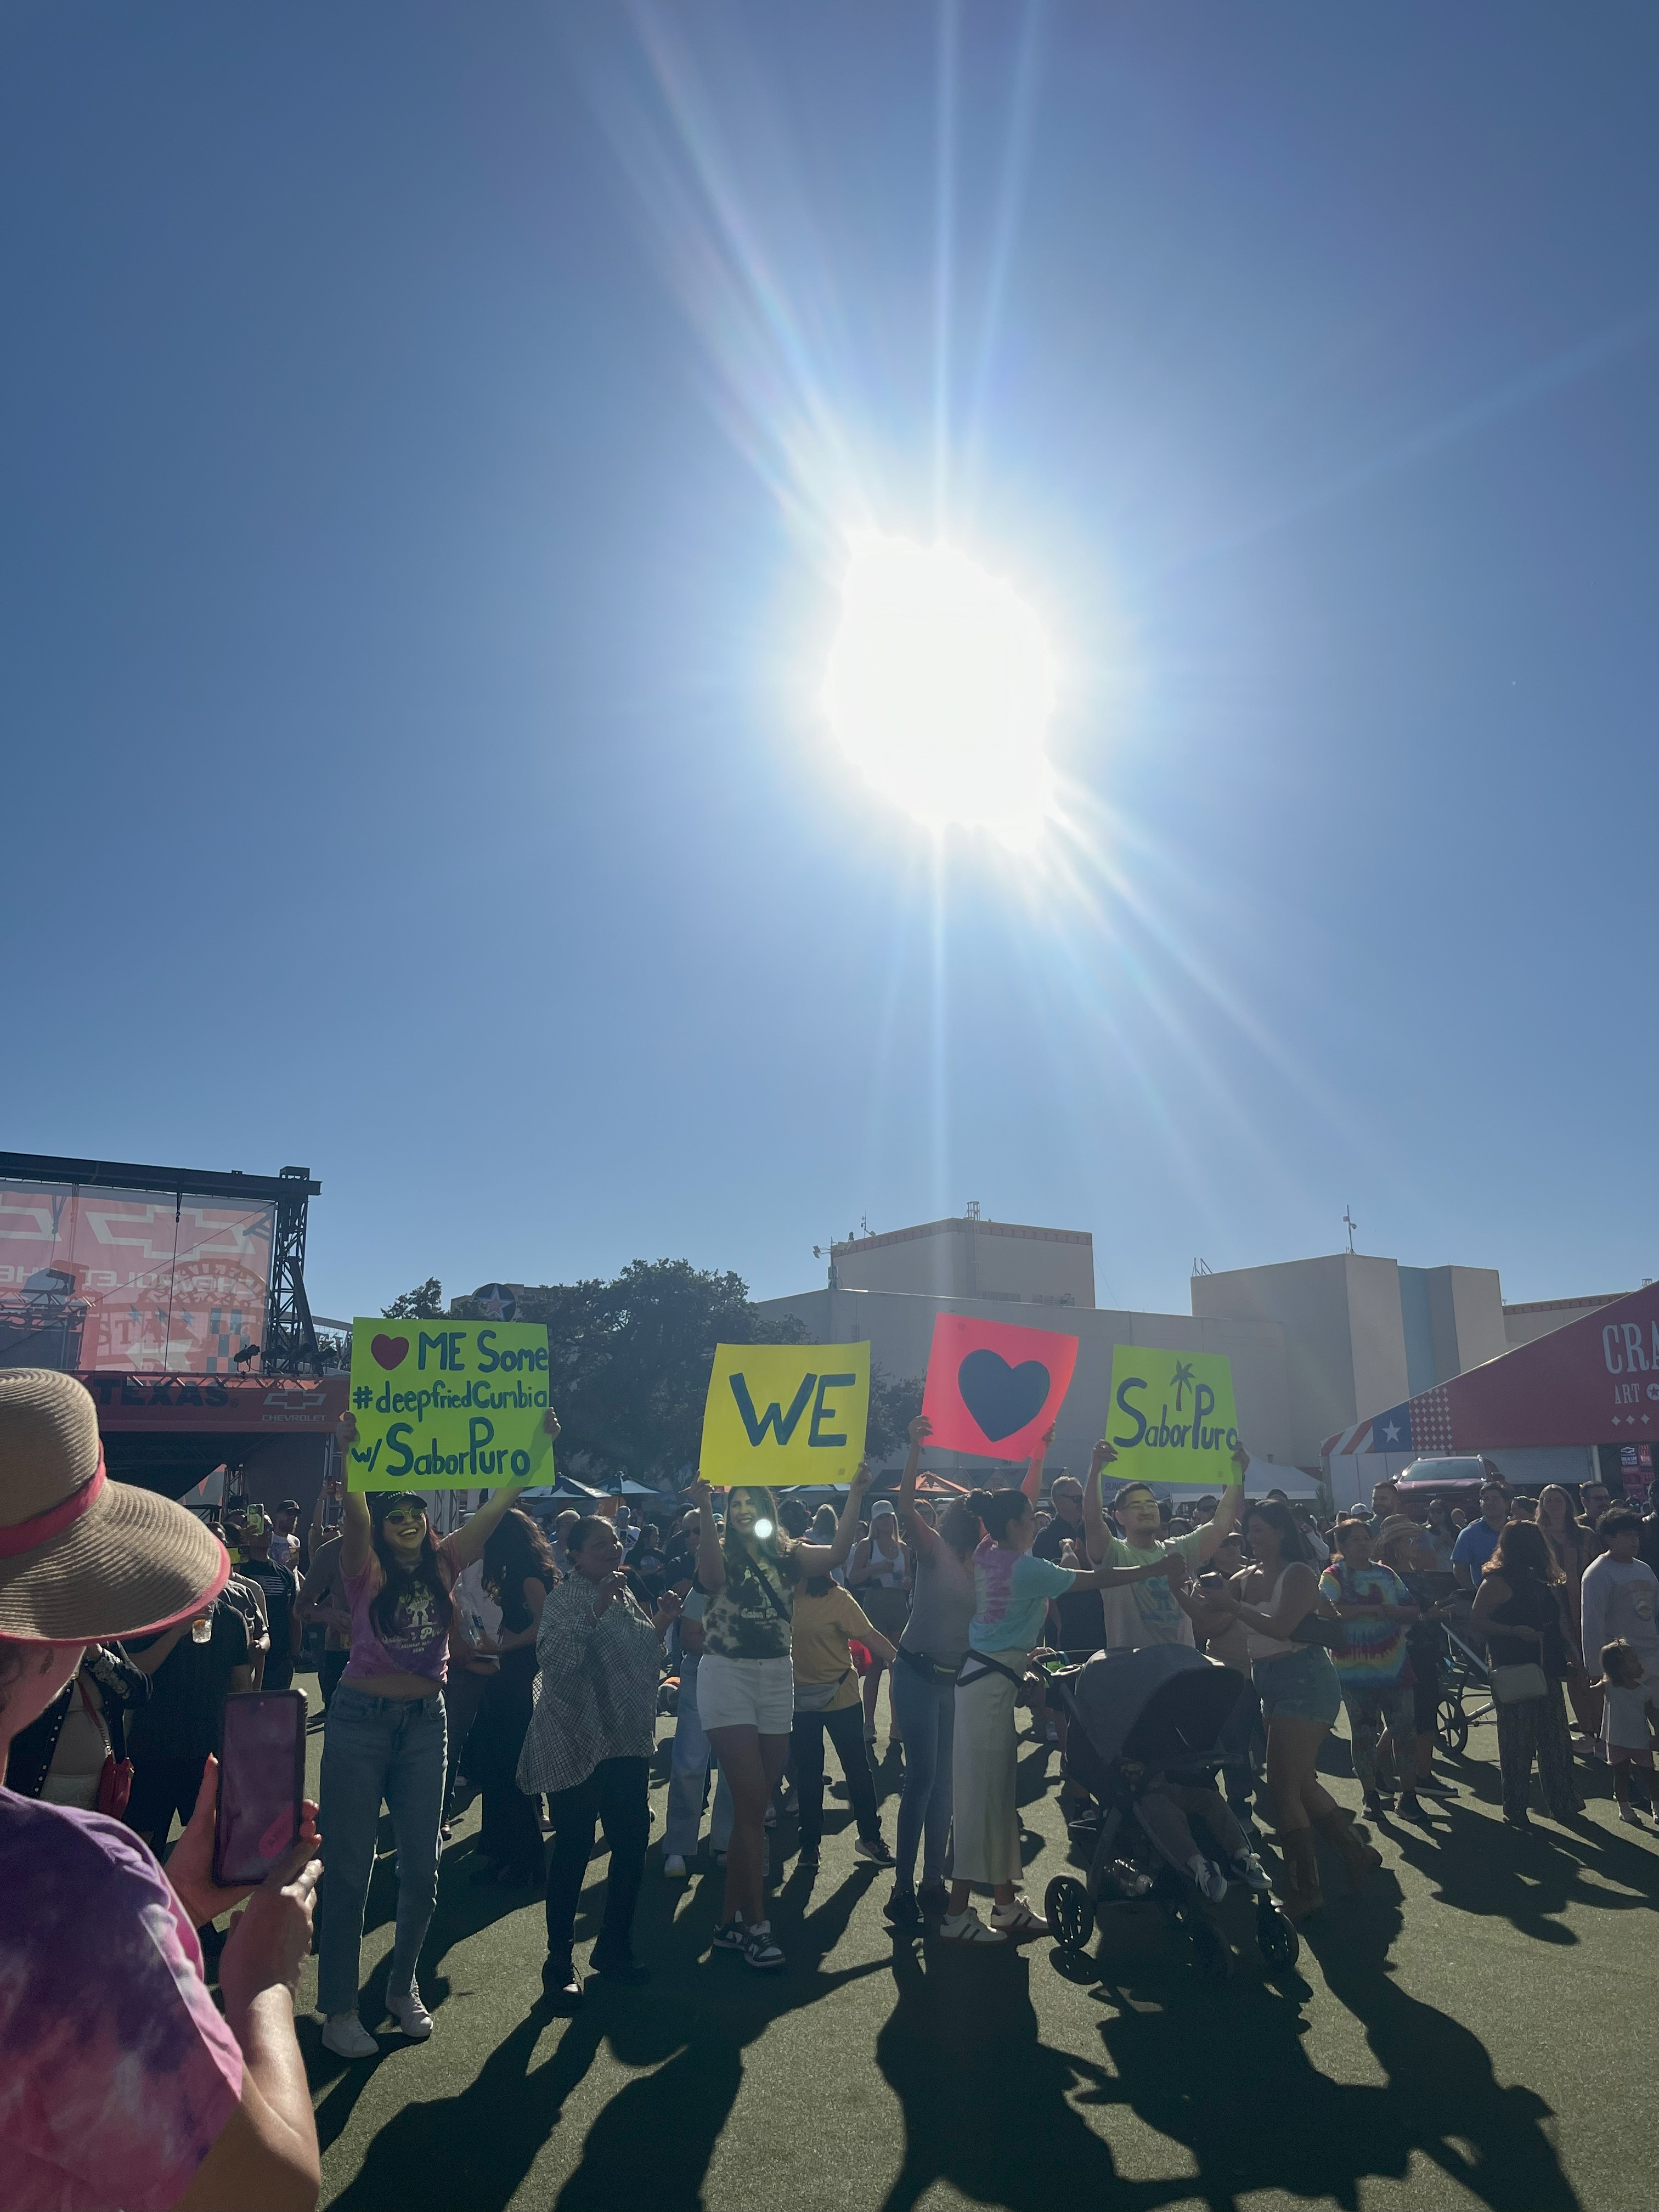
1315	1345
968	1258
1361	1332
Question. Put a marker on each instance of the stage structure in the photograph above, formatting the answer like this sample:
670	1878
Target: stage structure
178	1296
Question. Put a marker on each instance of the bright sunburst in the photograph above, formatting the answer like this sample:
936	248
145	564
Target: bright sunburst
940	685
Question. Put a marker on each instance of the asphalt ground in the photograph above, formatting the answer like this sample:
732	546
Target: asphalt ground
1477	2030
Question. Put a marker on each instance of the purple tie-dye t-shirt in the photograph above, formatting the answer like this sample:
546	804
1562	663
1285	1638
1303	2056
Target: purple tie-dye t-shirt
116	2071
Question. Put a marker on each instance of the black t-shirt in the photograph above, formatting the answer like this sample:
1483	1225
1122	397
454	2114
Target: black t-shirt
188	1690
1050	1541
280	1586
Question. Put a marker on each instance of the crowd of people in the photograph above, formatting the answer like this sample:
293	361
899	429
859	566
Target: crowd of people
531	1665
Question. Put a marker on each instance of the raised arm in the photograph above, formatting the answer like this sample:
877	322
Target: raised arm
821	1558
356	1535
469	1539
711	1566
1032	1484
1094	1517
916	1530
1221	1524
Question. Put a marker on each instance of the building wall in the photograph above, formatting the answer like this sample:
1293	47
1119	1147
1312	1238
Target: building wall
1344	1331
966	1258
898	1326
1525	1324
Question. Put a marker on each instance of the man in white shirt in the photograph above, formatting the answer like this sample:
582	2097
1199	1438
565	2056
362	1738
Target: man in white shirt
1621	1597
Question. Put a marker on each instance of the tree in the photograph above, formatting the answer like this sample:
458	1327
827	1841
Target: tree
894	1404
629	1360
424	1303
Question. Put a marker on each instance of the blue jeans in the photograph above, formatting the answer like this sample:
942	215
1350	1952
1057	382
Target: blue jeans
926	1713
374	1749
688	1767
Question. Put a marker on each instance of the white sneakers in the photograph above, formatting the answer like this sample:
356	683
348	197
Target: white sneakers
967	1927
1248	1869
411	2015
345	2034
673	1868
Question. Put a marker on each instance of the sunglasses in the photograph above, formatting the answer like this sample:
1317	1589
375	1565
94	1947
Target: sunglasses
412	1513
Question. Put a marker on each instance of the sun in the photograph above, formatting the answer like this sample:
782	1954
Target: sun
940	686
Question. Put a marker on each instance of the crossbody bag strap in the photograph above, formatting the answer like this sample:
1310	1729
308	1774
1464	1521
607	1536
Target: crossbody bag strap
992	1666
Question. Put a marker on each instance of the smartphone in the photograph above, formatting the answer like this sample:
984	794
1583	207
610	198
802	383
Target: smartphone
262	1774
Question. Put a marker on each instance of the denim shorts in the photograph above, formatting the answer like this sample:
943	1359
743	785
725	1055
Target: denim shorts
1298	1685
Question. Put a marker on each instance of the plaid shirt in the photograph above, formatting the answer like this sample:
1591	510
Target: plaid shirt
596	1695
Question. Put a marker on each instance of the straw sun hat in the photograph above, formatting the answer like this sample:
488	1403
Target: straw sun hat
82	1558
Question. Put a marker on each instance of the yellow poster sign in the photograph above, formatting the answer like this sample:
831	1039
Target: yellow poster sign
1172	1417
786	1412
448	1404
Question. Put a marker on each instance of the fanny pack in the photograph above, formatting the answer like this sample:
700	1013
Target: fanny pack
932	1672
818	1697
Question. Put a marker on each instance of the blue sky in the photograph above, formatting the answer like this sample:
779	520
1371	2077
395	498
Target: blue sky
430	437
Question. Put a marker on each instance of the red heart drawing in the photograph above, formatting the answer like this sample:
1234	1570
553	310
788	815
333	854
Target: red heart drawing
390	1350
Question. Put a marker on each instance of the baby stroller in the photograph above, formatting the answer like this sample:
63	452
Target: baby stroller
1134	1716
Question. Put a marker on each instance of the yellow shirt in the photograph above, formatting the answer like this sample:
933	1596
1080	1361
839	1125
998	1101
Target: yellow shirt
821	1628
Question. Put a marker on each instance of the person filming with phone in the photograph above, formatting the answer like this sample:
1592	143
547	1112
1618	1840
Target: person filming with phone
123	2082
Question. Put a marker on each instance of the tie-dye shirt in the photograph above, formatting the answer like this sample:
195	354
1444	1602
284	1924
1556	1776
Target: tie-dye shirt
117	2072
1012	1589
1373	1653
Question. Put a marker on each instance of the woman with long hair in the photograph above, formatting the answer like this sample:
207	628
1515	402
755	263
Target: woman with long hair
746	1679
1572	1546
518	1572
1011	1591
923	1690
386	1739
1300	1699
589	1746
1532	1646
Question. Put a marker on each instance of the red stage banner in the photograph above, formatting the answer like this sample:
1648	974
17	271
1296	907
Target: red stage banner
994	1387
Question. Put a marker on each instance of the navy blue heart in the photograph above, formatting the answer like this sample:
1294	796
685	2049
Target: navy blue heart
1001	1398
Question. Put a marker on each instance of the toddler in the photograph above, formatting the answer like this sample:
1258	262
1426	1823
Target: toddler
1626	1731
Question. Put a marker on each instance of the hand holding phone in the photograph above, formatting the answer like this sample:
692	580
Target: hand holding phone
190	1863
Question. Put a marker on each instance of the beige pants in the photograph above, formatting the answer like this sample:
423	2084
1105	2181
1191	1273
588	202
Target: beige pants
985	1820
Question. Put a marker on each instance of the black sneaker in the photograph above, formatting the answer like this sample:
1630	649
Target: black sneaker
934	1900
808	1857
619	1966
1409	1808
1376	1805
559	1979
874	1847
903	1910
730	1935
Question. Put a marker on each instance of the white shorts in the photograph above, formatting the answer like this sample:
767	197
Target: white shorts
756	1694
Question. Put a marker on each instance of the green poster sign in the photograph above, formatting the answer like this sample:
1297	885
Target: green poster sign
448	1404
1172	1417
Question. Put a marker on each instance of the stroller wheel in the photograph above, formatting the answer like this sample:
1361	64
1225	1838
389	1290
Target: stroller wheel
1068	1911
1276	1938
1210	1956
1451	1723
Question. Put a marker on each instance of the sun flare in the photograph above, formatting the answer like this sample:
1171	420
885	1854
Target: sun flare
940	686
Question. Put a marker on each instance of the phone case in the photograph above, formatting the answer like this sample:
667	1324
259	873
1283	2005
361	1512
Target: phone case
262	1775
